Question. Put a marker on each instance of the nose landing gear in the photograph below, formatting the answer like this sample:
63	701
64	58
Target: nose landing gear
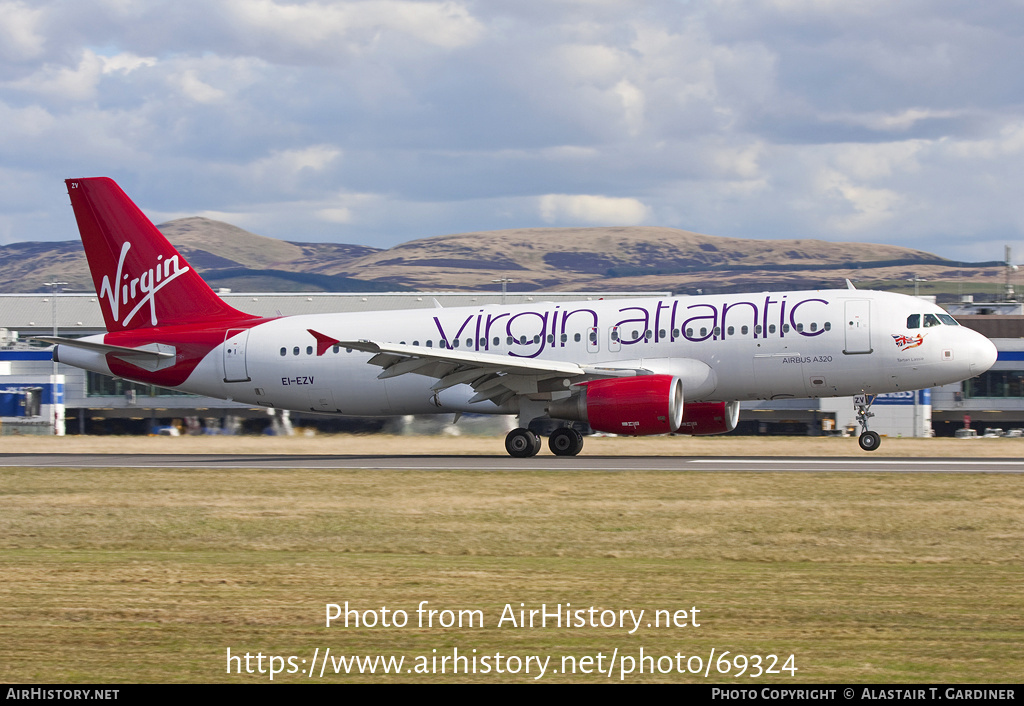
868	440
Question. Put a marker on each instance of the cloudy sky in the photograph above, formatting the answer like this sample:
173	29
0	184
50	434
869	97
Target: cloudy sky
382	121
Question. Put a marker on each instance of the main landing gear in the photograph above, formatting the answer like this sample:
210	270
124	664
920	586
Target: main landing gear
868	440
523	443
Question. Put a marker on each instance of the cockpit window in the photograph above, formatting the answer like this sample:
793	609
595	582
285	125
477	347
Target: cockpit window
931	320
914	321
948	320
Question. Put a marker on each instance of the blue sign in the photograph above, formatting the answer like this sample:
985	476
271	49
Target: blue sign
906	397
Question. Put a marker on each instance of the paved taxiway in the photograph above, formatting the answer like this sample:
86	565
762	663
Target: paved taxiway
504	463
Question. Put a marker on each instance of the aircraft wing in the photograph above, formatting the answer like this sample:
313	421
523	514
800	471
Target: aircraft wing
493	377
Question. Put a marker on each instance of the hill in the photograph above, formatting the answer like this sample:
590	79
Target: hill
558	259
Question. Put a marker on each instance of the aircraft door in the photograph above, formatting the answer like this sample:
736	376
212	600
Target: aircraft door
235	369
858	327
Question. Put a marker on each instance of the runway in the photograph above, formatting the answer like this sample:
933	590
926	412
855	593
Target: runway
716	464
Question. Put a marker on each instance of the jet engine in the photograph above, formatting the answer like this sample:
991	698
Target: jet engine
637	406
702	418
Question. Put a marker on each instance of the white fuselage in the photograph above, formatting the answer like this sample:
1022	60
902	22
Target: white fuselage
826	343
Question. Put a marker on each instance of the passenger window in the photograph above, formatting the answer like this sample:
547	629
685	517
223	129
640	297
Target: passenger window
615	334
576	338
744	330
337	349
309	350
497	341
814	326
931	320
828	326
661	333
430	344
284	351
757	329
914	321
565	337
689	333
771	328
675	333
785	328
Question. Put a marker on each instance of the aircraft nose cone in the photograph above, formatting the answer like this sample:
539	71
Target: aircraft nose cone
983	354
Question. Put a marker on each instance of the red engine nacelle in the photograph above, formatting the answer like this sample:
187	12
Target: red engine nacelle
642	405
710	418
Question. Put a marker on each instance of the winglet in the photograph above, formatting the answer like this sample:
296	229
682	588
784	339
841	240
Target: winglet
323	342
849	285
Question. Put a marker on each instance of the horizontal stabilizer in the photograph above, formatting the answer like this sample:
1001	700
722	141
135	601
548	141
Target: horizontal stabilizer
153	356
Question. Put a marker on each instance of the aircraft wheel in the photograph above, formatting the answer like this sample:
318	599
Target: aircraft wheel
869	440
522	443
565	442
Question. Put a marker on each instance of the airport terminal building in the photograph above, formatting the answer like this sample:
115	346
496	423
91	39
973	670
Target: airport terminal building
38	396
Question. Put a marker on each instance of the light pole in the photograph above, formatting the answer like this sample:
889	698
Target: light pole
53	379
504	286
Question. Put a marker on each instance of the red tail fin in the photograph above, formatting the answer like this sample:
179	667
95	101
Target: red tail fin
140	278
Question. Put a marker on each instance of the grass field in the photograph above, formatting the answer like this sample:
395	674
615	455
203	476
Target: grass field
113	575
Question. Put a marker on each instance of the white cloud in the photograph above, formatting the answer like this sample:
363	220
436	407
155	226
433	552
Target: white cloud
23	123
1009	141
64	83
79	83
739	161
126	62
196	89
586	208
286	163
773	118
870	207
20	35
442	24
874	161
335	215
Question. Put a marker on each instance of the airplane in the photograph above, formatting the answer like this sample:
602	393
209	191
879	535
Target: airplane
664	365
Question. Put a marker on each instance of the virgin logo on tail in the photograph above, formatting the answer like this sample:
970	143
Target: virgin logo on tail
145	286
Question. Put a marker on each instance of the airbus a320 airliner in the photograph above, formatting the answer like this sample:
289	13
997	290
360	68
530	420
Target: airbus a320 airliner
637	367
